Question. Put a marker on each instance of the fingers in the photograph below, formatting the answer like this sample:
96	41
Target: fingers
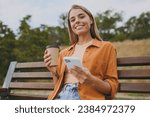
45	52
47	58
79	73
79	69
80	77
76	71
82	70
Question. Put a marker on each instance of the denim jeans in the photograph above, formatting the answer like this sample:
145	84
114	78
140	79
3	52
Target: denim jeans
69	92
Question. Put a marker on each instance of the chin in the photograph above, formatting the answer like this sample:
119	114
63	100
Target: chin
81	32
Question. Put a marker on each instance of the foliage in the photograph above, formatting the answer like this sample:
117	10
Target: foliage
107	23
138	27
134	28
7	44
29	44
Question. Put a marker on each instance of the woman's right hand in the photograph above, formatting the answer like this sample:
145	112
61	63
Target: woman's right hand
47	59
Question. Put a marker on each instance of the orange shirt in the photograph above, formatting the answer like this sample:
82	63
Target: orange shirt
100	59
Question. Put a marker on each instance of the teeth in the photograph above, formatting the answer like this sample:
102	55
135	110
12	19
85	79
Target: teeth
78	27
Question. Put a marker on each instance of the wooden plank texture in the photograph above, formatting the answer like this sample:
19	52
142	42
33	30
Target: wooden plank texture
25	74
26	97
31	85
30	65
134	87
32	75
134	74
133	61
3	89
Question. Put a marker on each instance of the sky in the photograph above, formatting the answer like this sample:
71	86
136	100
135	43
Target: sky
48	11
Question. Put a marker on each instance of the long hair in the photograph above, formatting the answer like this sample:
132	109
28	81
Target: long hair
93	30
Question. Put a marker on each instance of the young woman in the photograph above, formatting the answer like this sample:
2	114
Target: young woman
98	79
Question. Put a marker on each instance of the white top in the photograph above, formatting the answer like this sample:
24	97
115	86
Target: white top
80	49
79	52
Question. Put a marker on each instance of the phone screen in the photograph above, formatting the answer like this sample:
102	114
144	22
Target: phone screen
72	61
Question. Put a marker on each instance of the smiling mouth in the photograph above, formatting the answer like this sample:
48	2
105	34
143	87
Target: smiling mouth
79	27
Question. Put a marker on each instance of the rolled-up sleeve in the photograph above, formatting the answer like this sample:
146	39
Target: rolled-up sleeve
111	75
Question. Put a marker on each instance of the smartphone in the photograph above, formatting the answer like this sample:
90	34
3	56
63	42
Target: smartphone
72	61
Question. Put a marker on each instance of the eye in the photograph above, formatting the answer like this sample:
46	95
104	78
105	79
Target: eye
72	19
81	16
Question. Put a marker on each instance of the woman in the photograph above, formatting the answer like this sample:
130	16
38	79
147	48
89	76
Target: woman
98	79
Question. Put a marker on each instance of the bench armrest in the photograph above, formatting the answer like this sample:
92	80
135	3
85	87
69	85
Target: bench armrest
4	92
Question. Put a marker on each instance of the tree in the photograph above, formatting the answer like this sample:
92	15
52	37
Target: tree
7	44
63	20
63	30
6	32
142	29
138	27
31	42
24	27
107	23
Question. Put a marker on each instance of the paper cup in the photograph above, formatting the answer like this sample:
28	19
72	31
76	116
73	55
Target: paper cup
54	51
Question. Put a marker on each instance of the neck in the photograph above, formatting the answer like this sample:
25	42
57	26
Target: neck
84	39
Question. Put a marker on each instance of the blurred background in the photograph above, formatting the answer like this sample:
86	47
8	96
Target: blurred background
27	26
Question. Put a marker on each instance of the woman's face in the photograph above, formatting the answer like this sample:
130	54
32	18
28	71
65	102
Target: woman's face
80	22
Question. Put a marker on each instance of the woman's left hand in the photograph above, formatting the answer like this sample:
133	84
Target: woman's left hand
82	74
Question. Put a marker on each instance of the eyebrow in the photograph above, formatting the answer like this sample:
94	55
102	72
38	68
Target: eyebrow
78	15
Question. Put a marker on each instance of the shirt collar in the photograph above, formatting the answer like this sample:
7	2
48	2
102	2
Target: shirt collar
95	42
71	47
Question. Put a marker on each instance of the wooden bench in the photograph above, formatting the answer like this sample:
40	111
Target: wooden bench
28	80
134	77
31	80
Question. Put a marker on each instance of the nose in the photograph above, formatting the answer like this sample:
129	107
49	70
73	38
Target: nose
77	21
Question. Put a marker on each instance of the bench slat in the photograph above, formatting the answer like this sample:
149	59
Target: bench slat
134	74
32	75
25	97
134	87
26	65
31	85
133	61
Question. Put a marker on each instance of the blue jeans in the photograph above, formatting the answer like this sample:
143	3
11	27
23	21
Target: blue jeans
69	92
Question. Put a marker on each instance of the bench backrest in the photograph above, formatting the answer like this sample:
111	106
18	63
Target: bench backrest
31	80
134	76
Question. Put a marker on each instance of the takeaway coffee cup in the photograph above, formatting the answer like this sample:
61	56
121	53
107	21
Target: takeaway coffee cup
54	51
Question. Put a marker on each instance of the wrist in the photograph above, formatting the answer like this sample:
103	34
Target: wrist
52	69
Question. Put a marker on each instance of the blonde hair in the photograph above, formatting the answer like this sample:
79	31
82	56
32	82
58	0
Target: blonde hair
93	30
